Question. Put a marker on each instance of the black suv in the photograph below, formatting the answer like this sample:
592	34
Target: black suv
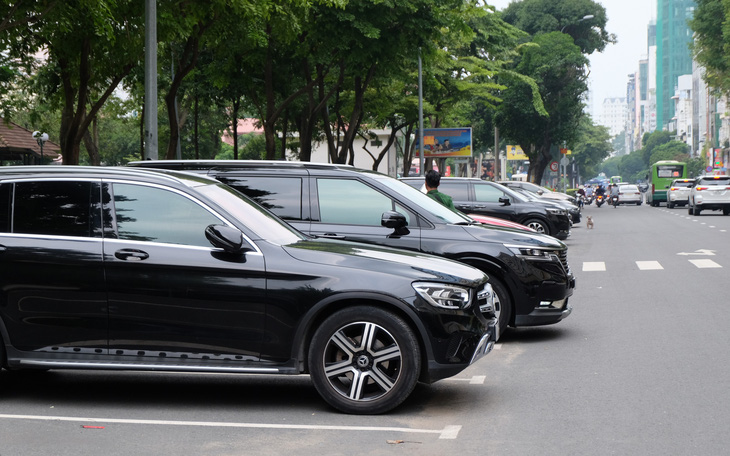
528	271
476	196
108	268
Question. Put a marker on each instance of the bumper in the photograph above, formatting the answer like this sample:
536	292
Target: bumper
544	315
466	343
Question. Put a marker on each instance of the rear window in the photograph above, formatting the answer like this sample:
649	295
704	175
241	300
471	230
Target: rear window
724	180
669	171
682	184
5	208
52	208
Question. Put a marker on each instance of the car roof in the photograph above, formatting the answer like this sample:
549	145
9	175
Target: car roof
95	172
235	164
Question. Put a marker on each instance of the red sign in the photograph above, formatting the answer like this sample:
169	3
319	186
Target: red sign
554	166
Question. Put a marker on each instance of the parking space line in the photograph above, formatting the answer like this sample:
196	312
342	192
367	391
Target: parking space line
648	265
448	432
594	266
704	264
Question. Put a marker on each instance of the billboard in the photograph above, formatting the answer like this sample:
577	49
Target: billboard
516	153
446	142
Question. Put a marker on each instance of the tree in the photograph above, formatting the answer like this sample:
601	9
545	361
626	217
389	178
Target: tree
712	40
556	64
651	141
544	16
91	46
672	150
591	148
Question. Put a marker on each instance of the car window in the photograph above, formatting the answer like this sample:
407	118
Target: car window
153	214
5	208
349	201
681	184
55	208
458	191
715	181
280	195
629	188
488	194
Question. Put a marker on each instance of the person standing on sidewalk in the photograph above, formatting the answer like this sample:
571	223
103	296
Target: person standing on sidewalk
433	180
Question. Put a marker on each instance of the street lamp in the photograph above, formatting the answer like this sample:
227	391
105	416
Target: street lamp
584	18
40	138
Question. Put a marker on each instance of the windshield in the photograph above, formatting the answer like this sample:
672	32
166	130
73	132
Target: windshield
411	194
262	222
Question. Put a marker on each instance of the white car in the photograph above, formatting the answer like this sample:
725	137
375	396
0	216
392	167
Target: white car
710	192
629	194
678	193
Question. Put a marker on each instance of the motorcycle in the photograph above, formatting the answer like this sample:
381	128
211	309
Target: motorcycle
600	199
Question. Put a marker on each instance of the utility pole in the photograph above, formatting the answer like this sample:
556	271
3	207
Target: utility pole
150	80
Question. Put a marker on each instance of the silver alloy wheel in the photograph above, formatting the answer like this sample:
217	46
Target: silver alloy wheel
362	361
537	226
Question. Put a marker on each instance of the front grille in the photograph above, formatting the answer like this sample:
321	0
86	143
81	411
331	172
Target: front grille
563	257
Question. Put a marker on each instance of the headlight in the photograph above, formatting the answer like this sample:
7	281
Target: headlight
554	210
443	295
530	253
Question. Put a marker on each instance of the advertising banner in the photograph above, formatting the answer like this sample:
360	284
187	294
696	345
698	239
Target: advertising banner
446	142
516	153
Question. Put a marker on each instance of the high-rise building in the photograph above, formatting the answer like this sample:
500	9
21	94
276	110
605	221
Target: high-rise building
614	114
674	59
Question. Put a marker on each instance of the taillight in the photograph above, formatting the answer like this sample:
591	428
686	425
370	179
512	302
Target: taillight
674	188
701	188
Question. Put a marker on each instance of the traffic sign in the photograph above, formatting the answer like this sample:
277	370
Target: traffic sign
554	166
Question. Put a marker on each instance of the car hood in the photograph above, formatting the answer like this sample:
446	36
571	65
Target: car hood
511	236
414	265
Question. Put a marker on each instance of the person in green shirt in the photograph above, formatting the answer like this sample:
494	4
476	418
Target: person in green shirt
433	179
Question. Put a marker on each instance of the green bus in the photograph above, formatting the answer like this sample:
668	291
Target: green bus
663	173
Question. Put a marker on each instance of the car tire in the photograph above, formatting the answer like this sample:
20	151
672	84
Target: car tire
364	360
670	205
503	306
689	209
537	225
696	210
726	210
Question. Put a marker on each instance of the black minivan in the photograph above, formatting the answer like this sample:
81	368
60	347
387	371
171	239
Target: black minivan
528	271
121	268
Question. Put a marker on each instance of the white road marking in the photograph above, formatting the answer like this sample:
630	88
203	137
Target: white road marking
702	252
594	266
448	432
703	264
648	265
475	380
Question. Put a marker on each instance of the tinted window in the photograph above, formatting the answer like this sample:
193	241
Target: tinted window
487	193
52	208
351	202
281	195
157	215
458	191
714	181
5	207
682	184
669	170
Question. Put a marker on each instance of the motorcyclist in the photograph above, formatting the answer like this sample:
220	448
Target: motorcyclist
614	195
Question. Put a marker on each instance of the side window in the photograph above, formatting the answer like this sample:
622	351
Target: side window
488	194
157	215
53	208
280	195
348	201
458	191
5	207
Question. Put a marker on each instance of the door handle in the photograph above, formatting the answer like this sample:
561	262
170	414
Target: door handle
332	236
131	255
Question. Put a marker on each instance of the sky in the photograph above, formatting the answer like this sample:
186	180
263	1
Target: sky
628	20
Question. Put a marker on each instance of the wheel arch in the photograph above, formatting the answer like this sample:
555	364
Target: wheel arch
495	272
322	310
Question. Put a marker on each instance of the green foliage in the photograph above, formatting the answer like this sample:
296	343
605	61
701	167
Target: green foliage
712	41
651	141
591	148
253	147
672	150
544	16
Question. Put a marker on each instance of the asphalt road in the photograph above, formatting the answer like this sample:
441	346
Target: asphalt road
640	367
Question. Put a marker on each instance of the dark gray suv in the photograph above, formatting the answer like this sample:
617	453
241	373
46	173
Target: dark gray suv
529	272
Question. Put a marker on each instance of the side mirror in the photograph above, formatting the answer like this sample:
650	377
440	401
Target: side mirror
226	238
540	192
396	221
504	201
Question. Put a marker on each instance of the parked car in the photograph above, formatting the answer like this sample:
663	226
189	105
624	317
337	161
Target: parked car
629	194
678	193
710	192
476	196
109	268
540	191
573	210
529	272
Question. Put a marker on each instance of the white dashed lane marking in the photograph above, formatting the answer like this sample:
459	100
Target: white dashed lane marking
592	266
703	264
648	265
